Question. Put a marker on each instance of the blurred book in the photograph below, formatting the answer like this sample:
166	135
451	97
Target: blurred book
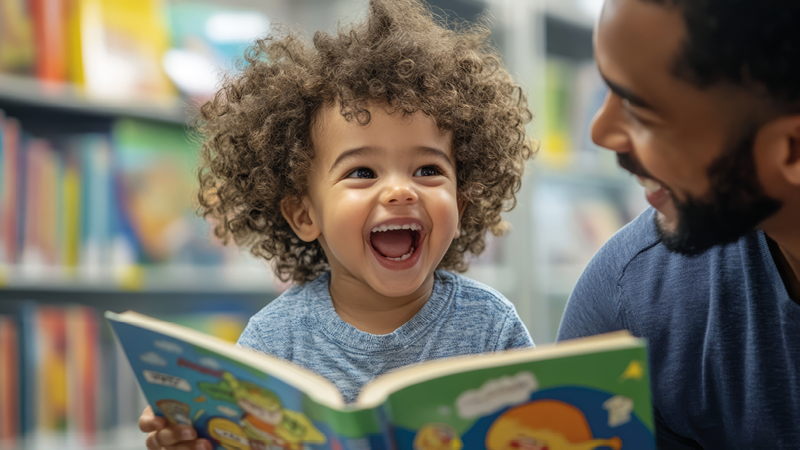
16	37
110	209
206	37
50	23
117	46
9	379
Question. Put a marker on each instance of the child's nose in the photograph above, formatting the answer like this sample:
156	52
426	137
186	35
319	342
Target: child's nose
399	193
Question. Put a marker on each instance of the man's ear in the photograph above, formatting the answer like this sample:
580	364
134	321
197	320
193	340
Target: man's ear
791	163
298	214
462	205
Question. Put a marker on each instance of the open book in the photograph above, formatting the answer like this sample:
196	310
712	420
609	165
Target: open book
585	394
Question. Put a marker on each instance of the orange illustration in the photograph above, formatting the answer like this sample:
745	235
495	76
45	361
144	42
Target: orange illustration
545	425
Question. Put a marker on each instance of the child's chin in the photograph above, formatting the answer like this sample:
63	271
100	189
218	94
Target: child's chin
398	286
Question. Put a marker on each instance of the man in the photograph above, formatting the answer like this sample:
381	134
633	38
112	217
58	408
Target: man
704	108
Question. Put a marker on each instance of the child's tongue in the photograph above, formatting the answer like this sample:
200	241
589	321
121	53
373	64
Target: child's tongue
393	243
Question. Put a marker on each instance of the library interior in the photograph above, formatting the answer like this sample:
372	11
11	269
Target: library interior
98	186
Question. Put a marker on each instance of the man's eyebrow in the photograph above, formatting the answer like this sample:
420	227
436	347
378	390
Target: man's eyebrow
350	154
626	94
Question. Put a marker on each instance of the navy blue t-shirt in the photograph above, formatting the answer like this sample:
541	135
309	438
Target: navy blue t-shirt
723	336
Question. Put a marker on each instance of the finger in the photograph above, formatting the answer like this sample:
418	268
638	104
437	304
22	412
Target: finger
200	444
150	422
169	436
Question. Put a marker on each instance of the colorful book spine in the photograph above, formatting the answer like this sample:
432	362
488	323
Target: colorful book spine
50	36
10	179
9	379
83	369
16	37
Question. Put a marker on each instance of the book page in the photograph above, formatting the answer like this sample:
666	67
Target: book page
588	396
375	392
237	398
300	378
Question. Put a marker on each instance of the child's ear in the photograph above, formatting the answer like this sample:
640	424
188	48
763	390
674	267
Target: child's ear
462	205
297	213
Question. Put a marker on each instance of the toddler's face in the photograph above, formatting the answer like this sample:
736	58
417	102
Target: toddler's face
383	197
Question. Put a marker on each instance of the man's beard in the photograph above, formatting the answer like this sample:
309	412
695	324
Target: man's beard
735	204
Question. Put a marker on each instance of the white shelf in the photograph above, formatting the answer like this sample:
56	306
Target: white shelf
579	12
123	438
170	279
69	98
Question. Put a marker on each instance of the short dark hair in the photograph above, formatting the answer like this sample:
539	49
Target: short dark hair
257	148
751	43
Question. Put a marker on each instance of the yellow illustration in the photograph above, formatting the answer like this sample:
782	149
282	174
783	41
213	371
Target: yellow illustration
177	413
228	433
634	371
437	436
266	423
545	425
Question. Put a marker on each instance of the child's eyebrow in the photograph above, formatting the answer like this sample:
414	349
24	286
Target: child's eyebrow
356	152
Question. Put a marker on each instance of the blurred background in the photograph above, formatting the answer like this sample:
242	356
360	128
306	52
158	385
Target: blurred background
97	183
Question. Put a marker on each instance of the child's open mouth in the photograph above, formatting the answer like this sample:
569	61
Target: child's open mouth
396	242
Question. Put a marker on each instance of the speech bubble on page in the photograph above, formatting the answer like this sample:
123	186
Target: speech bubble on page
496	394
154	359
169	346
162	379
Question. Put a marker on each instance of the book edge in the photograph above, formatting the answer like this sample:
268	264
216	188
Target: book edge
377	391
315	386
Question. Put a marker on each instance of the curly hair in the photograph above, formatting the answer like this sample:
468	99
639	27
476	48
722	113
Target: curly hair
256	130
750	43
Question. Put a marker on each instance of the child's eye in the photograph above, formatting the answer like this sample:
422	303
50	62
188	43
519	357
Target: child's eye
362	172
427	171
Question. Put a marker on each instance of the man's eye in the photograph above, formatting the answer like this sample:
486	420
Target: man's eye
362	172
427	171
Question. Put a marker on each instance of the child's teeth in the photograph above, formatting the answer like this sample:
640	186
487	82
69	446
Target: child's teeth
413	227
404	257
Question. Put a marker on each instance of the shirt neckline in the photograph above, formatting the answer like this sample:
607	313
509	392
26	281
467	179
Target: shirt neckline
773	273
342	333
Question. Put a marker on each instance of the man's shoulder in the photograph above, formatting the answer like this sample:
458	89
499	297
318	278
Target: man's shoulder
633	240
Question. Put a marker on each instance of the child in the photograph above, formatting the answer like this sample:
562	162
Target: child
359	167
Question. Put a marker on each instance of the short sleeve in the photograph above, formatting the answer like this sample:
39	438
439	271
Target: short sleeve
593	306
513	334
250	338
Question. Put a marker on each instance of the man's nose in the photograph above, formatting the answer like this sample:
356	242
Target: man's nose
608	128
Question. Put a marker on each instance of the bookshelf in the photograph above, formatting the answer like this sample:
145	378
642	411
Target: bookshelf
574	197
535	266
19	92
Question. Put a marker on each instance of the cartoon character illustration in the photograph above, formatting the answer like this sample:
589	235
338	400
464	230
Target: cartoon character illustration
266	423
437	436
177	413
545	425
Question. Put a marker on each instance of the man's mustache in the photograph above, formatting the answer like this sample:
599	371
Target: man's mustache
626	161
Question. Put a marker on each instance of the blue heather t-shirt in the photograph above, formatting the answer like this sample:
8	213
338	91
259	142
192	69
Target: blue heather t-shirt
461	317
723	336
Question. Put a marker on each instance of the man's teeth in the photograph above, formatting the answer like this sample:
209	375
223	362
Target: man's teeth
649	184
412	227
404	257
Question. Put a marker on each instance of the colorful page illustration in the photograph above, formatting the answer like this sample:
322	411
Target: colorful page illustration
551	404
233	405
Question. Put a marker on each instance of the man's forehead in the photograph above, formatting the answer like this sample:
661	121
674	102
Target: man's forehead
639	34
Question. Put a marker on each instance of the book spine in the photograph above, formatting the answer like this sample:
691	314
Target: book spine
3	188
11	167
9	380
50	36
28	366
